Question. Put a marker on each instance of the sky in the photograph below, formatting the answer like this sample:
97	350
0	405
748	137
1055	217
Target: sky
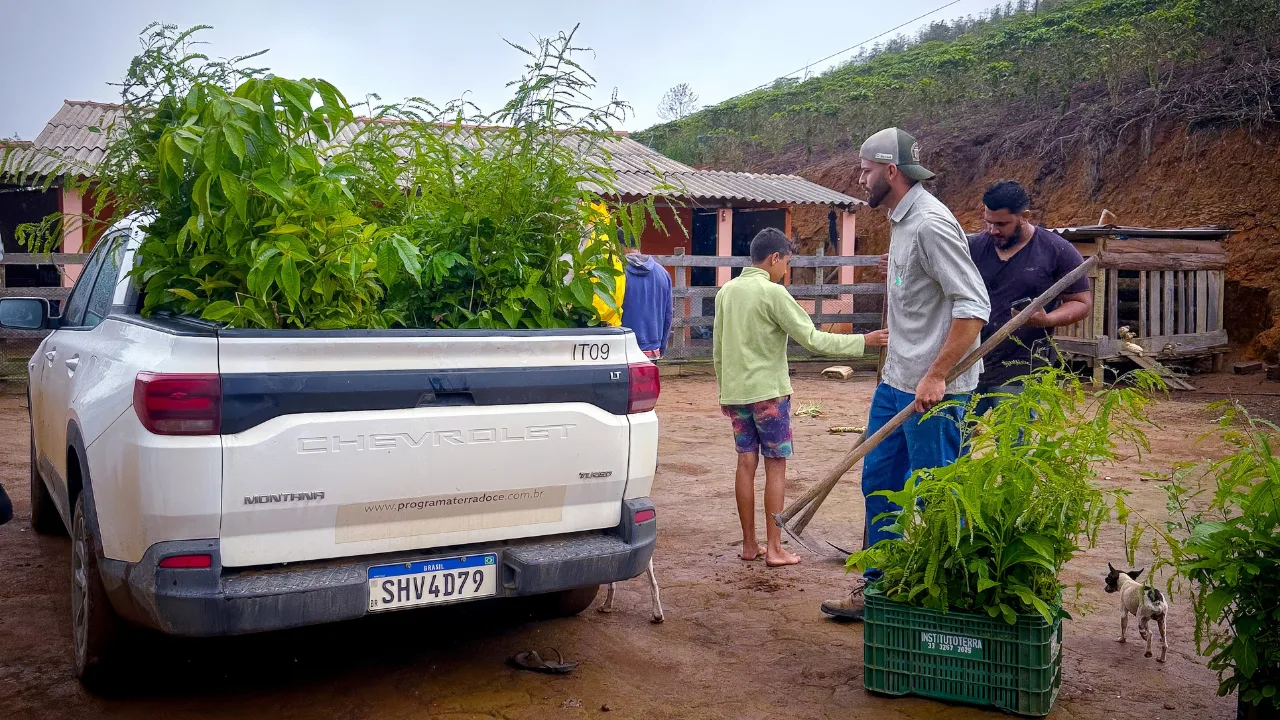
72	49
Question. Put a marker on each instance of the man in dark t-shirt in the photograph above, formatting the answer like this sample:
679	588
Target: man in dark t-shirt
1019	261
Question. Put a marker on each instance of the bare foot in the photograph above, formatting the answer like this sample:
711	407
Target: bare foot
749	556
780	558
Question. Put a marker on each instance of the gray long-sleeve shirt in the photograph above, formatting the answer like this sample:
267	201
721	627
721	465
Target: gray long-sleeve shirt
932	280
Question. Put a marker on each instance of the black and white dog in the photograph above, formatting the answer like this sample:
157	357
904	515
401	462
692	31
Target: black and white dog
1143	602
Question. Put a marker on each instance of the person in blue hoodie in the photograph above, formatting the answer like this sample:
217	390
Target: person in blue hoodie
647	302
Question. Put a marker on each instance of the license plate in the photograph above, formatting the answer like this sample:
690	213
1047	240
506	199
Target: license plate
430	582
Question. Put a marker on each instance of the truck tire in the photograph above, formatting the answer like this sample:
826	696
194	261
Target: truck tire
44	514
97	632
568	603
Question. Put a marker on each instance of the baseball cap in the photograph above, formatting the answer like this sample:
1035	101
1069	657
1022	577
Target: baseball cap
892	146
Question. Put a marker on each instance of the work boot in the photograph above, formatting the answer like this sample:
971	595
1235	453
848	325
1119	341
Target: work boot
850	608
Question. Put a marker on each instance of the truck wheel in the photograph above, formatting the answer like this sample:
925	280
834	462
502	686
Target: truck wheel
44	515
568	603
96	631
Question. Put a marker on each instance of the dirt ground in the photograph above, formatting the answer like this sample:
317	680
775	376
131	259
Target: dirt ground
740	640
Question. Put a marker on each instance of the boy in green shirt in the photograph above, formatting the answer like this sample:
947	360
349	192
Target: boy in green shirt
754	317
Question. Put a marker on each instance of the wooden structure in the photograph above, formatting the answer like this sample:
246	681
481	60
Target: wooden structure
838	312
1166	285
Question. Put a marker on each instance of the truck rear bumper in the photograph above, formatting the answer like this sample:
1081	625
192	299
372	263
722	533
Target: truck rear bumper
216	601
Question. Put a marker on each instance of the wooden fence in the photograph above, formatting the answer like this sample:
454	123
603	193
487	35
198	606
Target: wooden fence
1169	297
832	306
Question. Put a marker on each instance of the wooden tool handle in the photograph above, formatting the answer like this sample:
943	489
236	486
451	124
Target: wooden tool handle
818	493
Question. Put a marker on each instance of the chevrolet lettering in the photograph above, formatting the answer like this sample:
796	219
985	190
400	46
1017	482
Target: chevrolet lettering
431	438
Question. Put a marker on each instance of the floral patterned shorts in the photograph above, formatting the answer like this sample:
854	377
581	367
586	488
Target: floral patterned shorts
764	426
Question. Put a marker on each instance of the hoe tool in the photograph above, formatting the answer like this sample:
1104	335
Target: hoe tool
795	517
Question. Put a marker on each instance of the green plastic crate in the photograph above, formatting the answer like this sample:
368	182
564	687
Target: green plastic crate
961	657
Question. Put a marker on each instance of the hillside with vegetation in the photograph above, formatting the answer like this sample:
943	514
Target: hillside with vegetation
1163	111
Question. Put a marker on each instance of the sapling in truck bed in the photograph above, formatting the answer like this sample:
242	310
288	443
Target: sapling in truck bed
991	532
274	205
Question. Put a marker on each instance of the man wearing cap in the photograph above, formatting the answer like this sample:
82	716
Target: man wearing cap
937	305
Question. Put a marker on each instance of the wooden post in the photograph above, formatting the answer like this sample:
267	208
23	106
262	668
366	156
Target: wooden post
680	335
848	223
1098	319
848	248
1220	282
818	279
72	206
1113	304
1215	282
1169	298
1153	305
1184	304
1142	304
724	242
1202	301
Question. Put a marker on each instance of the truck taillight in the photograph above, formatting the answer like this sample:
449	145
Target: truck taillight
178	404
642	394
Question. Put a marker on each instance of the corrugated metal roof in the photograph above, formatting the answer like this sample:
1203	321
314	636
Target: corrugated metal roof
1087	232
716	185
76	138
22	163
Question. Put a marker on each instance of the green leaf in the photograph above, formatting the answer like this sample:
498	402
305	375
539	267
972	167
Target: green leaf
539	297
1205	531
172	155
246	104
1216	602
1009	615
272	189
186	143
235	141
184	294
218	311
984	584
581	290
200	193
511	312
298	94
410	256
1244	652
212	151
199	262
290	281
304	159
287	229
1043	546
388	264
235	192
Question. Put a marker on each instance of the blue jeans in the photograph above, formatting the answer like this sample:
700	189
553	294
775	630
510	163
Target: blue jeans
915	445
986	403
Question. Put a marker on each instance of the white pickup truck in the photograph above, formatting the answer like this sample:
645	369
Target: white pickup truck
219	481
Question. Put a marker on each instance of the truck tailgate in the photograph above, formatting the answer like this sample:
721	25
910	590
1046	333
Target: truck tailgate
380	442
